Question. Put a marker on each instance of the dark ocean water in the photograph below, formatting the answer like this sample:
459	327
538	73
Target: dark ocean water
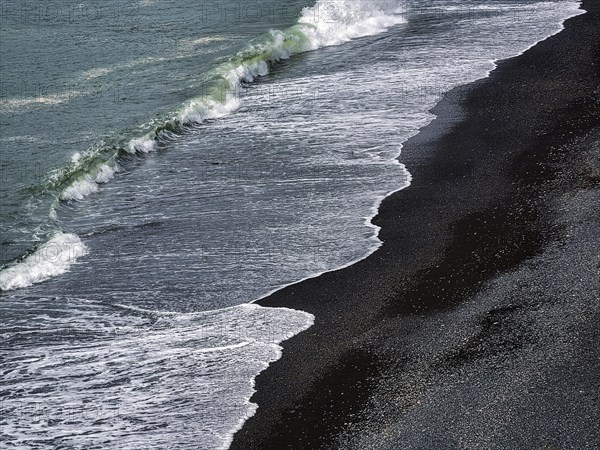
163	164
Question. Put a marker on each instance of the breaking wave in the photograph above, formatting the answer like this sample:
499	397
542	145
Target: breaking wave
50	259
221	94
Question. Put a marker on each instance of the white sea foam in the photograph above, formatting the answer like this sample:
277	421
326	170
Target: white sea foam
202	109
145	144
139	379
89	183
339	22
50	259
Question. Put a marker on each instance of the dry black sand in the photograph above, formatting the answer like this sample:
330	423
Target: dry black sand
477	323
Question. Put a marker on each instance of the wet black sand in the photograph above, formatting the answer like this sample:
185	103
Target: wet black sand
477	323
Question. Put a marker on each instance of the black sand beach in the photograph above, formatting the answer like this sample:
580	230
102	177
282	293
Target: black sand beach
476	324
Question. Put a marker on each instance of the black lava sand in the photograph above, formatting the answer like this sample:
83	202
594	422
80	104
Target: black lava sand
477	323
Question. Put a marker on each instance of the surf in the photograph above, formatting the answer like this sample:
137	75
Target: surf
318	26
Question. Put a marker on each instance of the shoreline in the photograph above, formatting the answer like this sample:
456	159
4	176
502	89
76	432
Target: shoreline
375	209
301	397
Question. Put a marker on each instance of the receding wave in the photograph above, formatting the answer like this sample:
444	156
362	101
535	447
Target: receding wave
138	379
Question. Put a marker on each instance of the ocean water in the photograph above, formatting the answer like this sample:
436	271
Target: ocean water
164	164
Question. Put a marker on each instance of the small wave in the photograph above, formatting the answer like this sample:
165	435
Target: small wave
50	259
220	96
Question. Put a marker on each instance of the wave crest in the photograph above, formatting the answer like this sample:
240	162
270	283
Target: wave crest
50	259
